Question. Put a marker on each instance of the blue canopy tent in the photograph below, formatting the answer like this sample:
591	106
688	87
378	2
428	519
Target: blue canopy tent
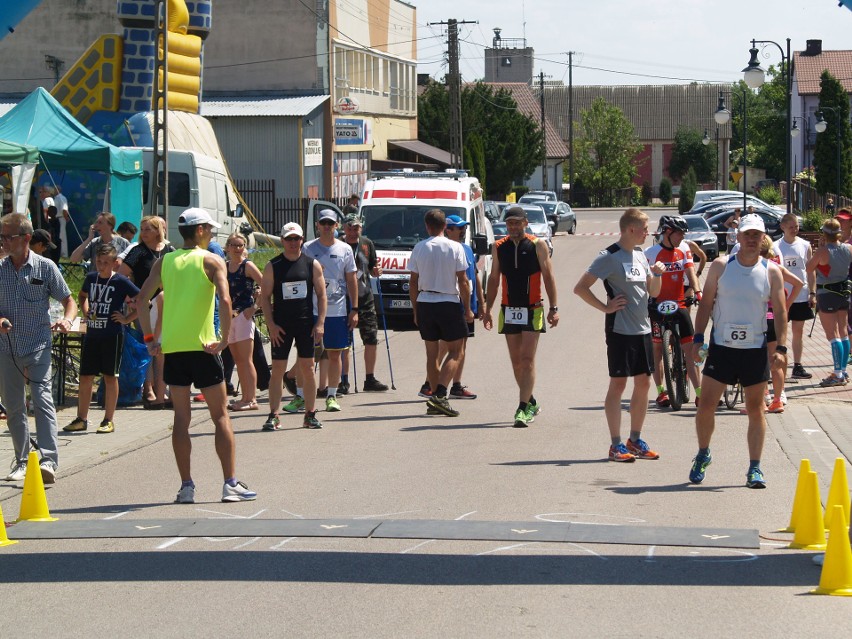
12	12
66	145
18	161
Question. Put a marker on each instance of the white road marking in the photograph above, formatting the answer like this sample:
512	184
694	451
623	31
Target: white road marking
292	514
465	515
413	548
588	550
170	542
146	527
502	548
401	512
650	557
248	543
332	526
550	517
281	543
232	515
715	537
522	531
117	515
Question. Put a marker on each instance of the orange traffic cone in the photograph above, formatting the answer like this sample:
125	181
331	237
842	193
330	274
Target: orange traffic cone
810	529
34	501
804	469
836	576
4	539
838	493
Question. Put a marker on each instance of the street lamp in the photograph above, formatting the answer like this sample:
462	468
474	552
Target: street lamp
754	77
820	126
722	115
794	133
706	141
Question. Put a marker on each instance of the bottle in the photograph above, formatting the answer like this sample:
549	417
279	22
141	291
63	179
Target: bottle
702	353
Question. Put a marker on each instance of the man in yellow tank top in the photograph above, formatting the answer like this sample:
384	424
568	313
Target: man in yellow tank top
190	279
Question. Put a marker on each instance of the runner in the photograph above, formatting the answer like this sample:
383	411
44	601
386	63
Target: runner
794	253
287	300
519	263
674	253
190	279
628	280
737	291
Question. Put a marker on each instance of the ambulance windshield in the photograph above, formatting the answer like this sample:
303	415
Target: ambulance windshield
399	225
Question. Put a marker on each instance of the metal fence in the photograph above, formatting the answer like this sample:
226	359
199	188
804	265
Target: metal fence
806	198
271	211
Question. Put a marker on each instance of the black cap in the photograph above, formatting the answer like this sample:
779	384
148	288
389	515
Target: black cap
514	211
40	236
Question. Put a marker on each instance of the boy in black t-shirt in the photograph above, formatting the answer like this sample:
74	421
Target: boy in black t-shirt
102	298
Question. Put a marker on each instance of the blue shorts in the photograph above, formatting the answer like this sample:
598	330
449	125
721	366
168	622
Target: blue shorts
336	337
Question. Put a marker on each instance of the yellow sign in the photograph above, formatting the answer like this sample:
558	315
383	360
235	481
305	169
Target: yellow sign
510	197
736	176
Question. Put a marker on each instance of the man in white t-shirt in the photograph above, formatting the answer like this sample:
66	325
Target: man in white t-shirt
338	266
62	216
438	283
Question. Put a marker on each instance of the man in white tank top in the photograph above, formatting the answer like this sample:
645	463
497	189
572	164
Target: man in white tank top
736	293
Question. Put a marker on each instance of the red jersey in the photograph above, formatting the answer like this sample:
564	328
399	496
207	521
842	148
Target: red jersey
677	260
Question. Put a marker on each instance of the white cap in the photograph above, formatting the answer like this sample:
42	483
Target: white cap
327	214
751	222
196	216
291	228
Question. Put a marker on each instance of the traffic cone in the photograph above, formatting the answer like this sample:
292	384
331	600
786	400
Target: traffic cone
4	539
838	493
836	576
810	528
804	469
34	501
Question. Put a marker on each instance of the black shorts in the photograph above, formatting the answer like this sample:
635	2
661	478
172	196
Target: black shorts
368	324
193	368
441	321
748	366
629	355
471	329
829	302
800	312
684	322
299	333
102	355
535	321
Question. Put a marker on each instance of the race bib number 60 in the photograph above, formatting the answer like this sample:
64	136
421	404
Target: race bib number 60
634	272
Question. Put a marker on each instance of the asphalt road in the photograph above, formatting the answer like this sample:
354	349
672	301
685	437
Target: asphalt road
382	459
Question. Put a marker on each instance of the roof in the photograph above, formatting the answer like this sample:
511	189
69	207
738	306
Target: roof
263	107
808	68
423	149
529	105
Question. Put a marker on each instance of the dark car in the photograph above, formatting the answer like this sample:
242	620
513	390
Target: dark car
771	219
500	231
492	210
560	215
700	233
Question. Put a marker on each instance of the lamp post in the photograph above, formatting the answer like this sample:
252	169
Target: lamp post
722	115
754	76
820	126
794	133
705	141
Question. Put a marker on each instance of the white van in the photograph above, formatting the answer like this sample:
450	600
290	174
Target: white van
195	180
393	206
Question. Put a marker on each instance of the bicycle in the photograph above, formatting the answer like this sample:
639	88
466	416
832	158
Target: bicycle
733	394
674	362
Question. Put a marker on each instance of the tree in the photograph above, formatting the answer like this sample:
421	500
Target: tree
833	97
605	151
689	151
511	142
474	157
665	191
767	126
687	191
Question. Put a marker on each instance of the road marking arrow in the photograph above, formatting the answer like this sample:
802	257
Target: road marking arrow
523	531
147	527
714	537
331	527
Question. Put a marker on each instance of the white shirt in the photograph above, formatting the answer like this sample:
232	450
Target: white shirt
794	257
336	260
437	261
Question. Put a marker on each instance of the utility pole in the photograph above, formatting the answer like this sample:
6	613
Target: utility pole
454	89
570	126
160	107
543	133
54	64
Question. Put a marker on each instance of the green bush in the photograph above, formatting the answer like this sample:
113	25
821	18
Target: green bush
687	191
665	190
770	194
812	220
647	194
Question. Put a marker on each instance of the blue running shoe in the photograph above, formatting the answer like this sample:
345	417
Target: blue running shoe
699	468
755	478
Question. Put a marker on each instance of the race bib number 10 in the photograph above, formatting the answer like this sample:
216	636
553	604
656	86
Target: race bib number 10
516	315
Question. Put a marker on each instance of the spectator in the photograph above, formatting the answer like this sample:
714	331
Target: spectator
40	244
104	226
127	230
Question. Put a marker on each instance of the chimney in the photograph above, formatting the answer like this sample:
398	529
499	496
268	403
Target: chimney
495	42
813	47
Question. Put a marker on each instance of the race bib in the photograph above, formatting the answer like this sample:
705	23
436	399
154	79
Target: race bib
791	262
297	290
516	315
634	272
332	288
739	335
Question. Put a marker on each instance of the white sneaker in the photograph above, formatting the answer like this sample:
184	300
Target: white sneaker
186	495
18	470
48	471
240	492
784	398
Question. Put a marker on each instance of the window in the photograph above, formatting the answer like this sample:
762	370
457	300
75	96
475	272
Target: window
178	188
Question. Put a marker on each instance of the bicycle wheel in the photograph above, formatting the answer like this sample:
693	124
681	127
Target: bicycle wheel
732	395
670	370
679	367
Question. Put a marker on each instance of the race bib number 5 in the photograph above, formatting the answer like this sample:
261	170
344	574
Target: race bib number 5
516	315
634	272
739	335
297	290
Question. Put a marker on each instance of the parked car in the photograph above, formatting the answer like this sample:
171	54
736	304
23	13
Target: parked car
533	196
771	219
762	184
537	223
560	215
500	230
492	210
701	233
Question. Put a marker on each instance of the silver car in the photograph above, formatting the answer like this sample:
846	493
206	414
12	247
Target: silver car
537	223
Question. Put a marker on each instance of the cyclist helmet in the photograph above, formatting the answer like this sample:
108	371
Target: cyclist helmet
673	222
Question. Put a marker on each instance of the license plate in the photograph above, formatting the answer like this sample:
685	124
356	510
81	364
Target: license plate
400	303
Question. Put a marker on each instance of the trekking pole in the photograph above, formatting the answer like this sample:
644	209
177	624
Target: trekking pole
385	327
813	324
352	357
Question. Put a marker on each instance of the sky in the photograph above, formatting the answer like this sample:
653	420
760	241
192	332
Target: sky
629	42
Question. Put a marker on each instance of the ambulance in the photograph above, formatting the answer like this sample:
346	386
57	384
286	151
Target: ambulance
393	205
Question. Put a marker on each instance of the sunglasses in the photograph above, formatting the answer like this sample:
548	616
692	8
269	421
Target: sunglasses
292	238
326	222
239	246
9	238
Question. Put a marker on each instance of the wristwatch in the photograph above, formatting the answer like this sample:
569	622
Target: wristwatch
555	309
354	309
781	349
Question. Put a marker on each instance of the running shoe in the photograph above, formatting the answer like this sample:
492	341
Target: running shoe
272	423
425	391
332	405
290	384
755	478
17	471
343	388
106	427
777	406
834	380
459	391
432	411
311	421
198	398
296	404
663	400
621	454
784	398
767	398
78	425
533	409
240	492
699	468
186	495
799	372
322	393
442	405
372	385
522	418
640	449
48	471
